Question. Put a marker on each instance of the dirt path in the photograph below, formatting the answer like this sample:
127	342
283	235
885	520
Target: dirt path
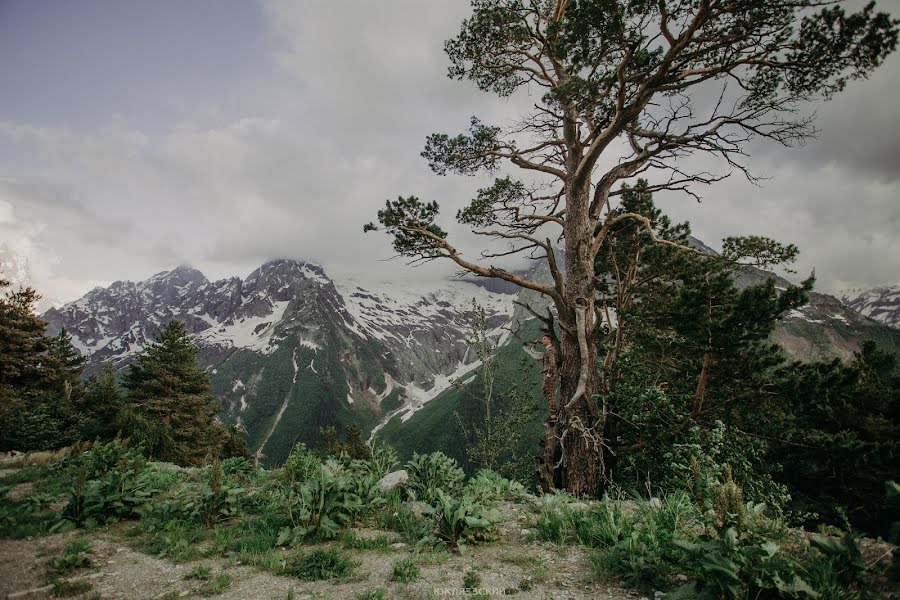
532	570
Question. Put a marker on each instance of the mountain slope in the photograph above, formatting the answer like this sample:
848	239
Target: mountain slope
287	351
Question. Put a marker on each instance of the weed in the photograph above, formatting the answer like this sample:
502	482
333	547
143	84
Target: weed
602	526
74	557
489	486
459	521
320	506
557	519
405	571
399	517
179	543
431	473
24	518
111	482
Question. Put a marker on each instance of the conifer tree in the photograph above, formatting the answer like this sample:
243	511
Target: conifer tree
688	348
36	389
170	409
22	341
65	364
103	402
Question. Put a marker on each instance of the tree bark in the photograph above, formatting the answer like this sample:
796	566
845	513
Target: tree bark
573	446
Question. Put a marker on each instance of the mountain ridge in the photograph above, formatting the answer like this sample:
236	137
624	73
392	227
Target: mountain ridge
290	350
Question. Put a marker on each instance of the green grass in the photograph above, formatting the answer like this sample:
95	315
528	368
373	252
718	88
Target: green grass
215	586
379	543
178	544
250	535
319	564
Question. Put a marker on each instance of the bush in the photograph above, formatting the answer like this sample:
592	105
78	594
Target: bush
727	567
429	473
462	520
112	482
320	506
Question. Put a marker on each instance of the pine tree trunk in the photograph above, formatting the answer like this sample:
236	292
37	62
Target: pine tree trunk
574	443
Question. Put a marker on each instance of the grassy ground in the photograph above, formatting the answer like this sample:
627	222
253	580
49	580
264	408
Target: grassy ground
231	531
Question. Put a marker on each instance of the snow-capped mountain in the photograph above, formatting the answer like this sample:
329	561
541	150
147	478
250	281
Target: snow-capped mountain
879	303
290	350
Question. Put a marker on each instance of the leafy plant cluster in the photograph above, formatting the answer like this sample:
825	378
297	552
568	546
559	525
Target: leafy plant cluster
457	509
111	481
725	548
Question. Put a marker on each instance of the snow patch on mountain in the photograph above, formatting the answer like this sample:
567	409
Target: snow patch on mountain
419	397
252	333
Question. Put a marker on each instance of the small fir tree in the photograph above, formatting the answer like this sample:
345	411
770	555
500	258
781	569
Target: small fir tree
170	408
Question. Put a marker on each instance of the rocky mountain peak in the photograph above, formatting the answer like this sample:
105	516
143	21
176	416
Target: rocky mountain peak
879	303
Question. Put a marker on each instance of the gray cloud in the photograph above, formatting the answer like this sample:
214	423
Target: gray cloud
335	126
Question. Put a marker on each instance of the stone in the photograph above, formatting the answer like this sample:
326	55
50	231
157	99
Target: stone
398	546
392	481
40	593
655	503
417	508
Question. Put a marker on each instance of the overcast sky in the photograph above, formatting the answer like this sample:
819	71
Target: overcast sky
136	136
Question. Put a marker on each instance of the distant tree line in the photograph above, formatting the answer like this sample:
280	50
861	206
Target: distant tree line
162	401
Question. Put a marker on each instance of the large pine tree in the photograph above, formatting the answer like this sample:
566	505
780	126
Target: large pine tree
170	409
